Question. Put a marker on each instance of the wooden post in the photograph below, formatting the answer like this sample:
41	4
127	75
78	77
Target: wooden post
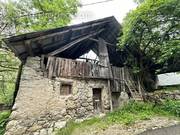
104	59
105	71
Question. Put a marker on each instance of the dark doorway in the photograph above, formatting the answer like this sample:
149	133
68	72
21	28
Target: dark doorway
115	99
97	100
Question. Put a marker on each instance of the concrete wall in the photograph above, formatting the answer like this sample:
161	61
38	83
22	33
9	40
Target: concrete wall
169	79
39	108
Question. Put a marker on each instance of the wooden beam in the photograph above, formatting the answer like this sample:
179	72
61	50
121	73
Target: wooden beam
39	37
91	25
96	40
28	48
65	47
103	53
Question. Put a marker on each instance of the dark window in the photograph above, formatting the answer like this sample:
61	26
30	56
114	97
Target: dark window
66	89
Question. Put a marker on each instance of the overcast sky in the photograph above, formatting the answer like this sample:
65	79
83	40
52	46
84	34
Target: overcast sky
117	8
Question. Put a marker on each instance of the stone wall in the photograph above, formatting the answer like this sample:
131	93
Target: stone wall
166	95
119	99
39	108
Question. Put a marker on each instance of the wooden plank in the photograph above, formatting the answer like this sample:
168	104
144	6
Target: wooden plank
78	68
28	48
88	69
73	68
50	67
83	68
47	36
42	63
55	66
59	67
69	67
65	47
48	63
64	66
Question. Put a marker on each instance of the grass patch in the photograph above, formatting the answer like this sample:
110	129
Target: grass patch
71	126
130	113
4	115
169	88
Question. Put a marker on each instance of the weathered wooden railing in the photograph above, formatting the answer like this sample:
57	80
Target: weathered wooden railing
60	67
117	80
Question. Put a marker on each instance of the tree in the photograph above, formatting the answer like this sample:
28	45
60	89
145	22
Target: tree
25	16
22	16
151	36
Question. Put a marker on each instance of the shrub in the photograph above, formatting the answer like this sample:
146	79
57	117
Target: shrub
3	120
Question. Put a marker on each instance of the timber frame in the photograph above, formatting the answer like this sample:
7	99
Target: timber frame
59	48
69	41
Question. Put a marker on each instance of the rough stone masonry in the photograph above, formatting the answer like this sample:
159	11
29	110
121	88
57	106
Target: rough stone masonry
40	108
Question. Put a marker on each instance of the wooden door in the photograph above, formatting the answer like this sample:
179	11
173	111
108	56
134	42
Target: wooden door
97	103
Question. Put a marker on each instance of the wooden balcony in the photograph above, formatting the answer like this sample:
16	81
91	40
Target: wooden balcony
61	67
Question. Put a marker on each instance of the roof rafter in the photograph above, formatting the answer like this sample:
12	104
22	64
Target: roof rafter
61	49
96	40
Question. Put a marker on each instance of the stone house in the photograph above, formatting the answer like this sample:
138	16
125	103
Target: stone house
57	83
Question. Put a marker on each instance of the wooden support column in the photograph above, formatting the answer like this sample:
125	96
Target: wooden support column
104	59
105	70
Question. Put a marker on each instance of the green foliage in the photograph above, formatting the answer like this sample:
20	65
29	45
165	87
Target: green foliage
3	120
128	114
34	15
131	112
151	32
171	108
22	16
8	72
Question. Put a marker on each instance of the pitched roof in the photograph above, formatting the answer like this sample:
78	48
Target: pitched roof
47	41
